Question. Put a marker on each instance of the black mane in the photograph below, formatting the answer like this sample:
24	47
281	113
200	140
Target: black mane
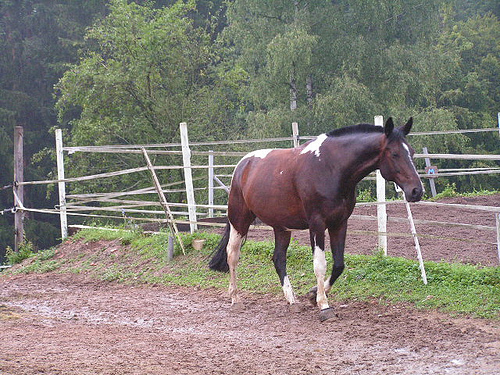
356	129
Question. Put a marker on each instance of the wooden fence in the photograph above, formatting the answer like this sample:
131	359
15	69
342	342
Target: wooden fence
120	205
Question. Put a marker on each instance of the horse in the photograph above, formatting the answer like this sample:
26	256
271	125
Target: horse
312	186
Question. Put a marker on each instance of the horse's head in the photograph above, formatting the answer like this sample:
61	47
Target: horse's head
396	163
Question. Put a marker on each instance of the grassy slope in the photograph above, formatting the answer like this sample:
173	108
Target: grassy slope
137	258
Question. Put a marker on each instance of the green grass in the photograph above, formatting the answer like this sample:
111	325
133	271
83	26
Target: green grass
450	191
454	288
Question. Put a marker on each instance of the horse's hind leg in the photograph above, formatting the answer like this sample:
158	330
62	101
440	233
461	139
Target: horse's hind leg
240	218
233	256
282	240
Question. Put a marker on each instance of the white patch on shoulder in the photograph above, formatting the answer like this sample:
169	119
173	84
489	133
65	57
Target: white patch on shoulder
315	145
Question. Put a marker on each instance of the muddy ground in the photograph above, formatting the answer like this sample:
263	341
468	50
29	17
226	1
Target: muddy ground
451	242
71	324
67	324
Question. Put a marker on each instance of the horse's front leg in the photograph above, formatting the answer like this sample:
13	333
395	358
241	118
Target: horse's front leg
319	262
337	243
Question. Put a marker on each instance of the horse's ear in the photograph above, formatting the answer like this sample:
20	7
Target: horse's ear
406	129
389	127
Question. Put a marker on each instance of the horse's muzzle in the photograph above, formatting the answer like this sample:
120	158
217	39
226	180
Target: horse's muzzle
415	194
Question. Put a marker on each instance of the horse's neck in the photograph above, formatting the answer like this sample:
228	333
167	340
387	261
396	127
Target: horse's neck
358	154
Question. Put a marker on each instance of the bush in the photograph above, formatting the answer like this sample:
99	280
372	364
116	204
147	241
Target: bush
25	251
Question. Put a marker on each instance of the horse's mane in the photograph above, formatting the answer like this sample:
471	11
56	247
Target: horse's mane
356	129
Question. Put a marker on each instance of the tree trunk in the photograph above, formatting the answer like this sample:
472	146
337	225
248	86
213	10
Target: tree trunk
293	91
309	90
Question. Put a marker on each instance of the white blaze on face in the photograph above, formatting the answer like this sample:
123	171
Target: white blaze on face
315	145
409	156
288	290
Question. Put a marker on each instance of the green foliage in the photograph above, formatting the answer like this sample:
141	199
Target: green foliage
451	287
449	191
365	195
25	251
90	235
145	70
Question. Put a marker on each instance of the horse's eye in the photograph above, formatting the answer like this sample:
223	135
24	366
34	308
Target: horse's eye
395	155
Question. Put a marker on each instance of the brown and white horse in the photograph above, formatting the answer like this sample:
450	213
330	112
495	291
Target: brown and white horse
312	187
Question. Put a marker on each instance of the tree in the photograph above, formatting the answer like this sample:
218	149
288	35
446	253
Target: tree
144	70
294	52
37	40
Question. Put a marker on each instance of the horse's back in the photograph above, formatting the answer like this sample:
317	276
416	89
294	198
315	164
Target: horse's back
265	182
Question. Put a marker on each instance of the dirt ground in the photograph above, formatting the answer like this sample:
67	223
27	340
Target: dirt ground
71	324
451	243
67	324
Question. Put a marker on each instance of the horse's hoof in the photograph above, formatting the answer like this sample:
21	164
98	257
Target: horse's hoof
238	306
296	308
327	313
311	296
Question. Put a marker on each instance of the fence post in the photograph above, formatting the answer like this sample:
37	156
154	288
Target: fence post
211	183
18	189
295	134
381	208
497	217
431	180
498	116
188	177
61	184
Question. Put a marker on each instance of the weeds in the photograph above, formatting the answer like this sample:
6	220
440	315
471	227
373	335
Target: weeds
25	251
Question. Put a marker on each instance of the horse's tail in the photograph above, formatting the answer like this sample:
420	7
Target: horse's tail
219	260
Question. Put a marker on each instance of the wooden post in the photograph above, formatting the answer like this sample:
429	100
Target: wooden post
497	217
295	134
18	189
431	180
61	185
188	177
170	248
381	208
211	184
498	116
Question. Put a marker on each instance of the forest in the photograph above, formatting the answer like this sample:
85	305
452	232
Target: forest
128	72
